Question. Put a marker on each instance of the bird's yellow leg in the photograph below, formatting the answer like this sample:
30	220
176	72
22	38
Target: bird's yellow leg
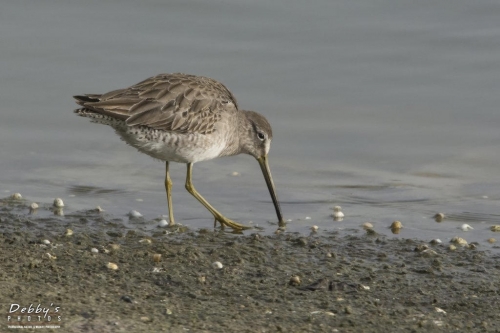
218	216
168	188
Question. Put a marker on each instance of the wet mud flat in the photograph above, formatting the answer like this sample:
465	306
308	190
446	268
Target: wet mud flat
107	277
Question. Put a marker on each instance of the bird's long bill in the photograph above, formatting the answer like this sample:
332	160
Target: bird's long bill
264	165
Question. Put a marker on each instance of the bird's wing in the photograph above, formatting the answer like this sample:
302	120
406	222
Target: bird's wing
173	102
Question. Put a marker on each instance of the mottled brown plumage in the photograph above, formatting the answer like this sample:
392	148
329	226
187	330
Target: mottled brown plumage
184	118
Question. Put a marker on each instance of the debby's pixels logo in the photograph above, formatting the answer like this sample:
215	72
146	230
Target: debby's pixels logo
34	316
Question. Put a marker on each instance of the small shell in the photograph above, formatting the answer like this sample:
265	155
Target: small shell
58	203
459	240
466	227
145	240
314	228
495	228
295	280
439	217
337	213
452	247
99	209
367	225
46	242
157	257
94	250
439	310
308	217
16	196
396	225
163	224
50	256
112	266
34	206
217	265
435	241
114	247
134	213
491	240
69	232
235	173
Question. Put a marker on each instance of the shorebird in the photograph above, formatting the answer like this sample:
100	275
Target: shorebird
186	119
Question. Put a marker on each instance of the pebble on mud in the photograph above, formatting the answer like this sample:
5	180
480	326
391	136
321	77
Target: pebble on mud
439	217
459	241
16	196
452	247
68	233
314	228
58	203
217	265
367	225
495	228
157	257
337	213
134	213
145	240
46	242
295	280
466	227
491	240
50	256
112	266
94	250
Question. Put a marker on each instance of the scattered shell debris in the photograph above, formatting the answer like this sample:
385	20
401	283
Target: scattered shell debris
134	213
217	265
50	256
58	203
367	225
69	232
16	196
491	240
94	250
440	310
439	217
459	241
495	228
112	266
337	213
163	224
157	257
295	280
46	242
145	240
466	227
314	228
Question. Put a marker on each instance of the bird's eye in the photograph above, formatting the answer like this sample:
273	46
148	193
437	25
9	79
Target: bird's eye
261	135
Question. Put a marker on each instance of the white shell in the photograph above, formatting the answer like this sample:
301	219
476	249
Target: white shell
134	213
163	223
314	228
217	265
94	250
16	196
34	206
466	227
58	203
235	173
308	217
46	242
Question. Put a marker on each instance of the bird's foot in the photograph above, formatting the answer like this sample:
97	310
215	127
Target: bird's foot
229	223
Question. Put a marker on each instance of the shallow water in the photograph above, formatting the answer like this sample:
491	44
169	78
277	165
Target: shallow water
388	109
